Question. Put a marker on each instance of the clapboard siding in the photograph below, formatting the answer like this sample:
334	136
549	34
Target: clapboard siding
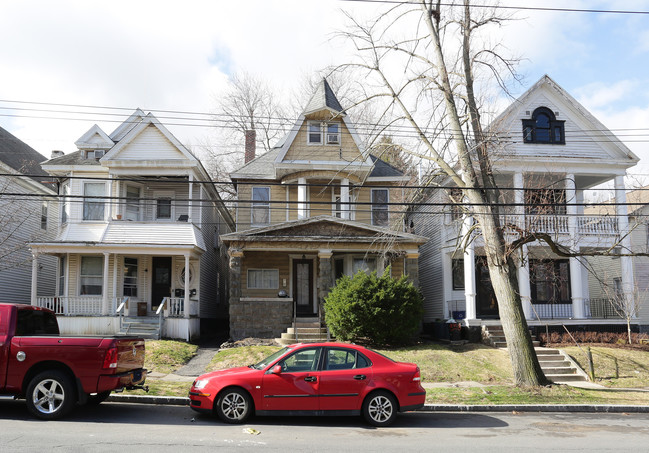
428	221
152	145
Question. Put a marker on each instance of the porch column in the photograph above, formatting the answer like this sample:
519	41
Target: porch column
301	198
411	266
116	269
104	303
523	265
344	199
191	199
524	287
34	294
325	275
186	302
626	262
111	200
576	282
469	272
237	315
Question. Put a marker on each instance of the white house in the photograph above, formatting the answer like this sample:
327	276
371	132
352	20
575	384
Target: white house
139	234
26	205
550	150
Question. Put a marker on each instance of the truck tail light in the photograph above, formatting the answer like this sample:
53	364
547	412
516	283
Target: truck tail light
417	376
110	359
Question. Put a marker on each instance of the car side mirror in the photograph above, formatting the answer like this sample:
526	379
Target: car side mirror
277	369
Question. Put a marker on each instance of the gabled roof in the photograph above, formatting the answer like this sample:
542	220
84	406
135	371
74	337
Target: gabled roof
136	117
71	159
323	228
383	169
547	90
140	126
95	138
323	99
20	156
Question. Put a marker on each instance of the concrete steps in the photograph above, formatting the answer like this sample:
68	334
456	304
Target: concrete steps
141	326
304	331
558	367
494	336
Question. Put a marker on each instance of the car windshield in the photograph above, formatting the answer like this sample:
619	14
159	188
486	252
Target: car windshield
271	358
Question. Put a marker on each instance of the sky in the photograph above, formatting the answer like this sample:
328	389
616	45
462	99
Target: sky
169	55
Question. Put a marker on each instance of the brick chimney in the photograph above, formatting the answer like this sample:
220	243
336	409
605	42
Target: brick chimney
56	153
251	137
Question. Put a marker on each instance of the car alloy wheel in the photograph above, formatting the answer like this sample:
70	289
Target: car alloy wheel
50	395
380	409
233	406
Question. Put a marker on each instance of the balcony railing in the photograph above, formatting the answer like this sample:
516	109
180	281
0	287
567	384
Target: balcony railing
593	309
559	224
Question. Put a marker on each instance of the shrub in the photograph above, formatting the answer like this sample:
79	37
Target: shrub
379	310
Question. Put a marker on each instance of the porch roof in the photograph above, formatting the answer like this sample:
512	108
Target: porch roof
325	229
116	237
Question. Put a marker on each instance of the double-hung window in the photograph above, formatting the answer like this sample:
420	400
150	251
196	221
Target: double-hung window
133	203
44	215
260	214
92	276
93	207
315	133
263	279
333	134
130	277
380	207
319	133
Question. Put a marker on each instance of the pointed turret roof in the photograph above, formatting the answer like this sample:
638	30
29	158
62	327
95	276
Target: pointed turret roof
323	98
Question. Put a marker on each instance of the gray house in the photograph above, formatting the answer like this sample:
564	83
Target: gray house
26	202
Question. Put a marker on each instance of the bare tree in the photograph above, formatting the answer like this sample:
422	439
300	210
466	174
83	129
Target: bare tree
434	92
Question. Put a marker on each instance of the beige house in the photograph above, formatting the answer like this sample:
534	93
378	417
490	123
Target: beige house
310	210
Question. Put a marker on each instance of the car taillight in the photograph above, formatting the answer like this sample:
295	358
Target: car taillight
417	376
110	359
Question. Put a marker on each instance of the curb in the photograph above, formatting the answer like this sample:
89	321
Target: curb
584	408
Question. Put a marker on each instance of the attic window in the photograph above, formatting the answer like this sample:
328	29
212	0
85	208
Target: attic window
96	154
543	127
316	131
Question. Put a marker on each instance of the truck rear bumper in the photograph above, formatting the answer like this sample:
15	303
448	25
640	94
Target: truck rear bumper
122	380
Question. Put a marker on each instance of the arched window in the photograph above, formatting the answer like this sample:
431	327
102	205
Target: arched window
543	127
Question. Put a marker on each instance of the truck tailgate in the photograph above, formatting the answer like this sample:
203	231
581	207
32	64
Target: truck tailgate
130	354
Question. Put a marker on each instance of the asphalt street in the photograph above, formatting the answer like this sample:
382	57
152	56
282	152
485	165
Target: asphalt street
125	427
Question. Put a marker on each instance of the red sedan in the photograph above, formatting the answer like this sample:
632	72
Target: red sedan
313	379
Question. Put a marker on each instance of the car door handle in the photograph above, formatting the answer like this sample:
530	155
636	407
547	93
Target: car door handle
360	377
310	379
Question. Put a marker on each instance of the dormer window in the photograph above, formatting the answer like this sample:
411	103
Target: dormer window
543	127
96	154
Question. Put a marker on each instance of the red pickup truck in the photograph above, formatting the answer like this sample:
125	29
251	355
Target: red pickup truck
54	373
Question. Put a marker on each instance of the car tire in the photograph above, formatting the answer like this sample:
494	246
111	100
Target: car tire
95	400
380	408
233	405
50	395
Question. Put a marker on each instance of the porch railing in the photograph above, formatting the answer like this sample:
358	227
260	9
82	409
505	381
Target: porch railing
173	307
597	225
72	305
593	309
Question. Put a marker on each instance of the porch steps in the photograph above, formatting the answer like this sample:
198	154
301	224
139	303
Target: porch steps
304	331
141	326
558	367
494	336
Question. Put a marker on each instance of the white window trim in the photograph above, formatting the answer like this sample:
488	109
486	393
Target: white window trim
104	201
263	270
387	205
308	133
338	134
164	194
252	206
79	276
137	276
140	187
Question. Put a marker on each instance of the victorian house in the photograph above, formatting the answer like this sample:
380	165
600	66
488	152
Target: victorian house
315	207
139	236
550	150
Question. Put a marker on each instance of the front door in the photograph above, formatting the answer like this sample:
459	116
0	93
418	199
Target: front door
486	303
161	280
303	287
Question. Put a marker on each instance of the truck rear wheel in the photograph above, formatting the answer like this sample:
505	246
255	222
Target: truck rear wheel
50	395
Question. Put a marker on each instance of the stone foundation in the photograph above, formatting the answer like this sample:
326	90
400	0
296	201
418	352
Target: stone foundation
260	318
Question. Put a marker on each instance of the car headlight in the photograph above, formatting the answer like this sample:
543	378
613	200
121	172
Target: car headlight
200	383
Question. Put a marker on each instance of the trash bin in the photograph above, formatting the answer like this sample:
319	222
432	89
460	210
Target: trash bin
454	330
141	308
